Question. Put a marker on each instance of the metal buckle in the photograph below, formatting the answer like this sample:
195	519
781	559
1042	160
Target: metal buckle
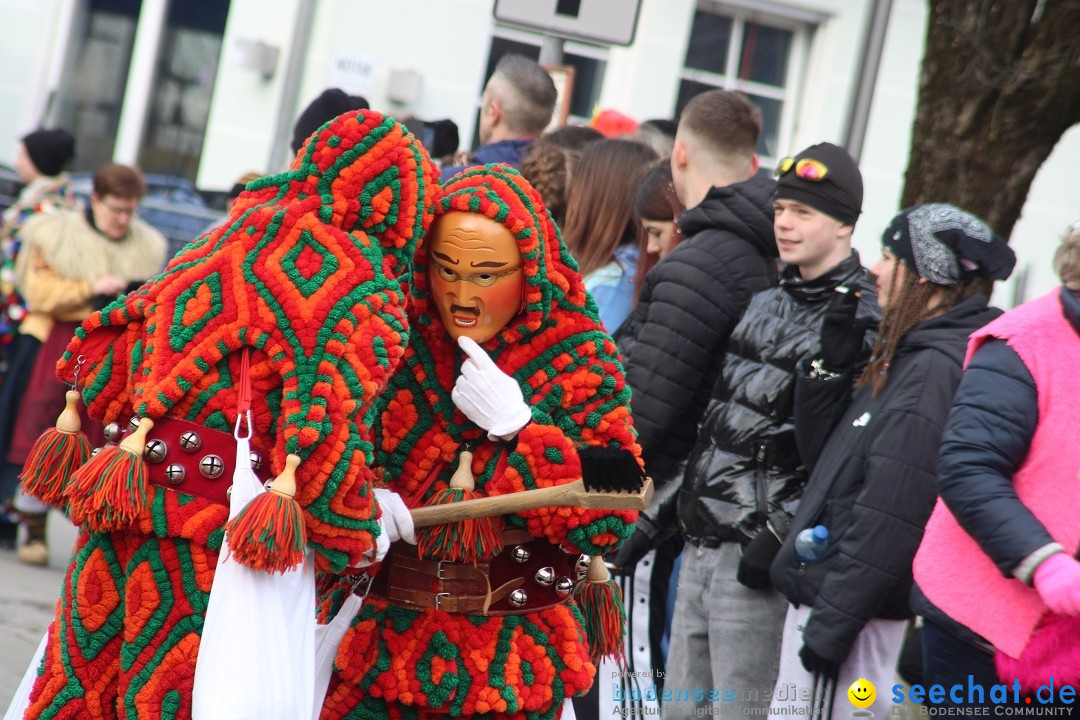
438	571
438	599
365	580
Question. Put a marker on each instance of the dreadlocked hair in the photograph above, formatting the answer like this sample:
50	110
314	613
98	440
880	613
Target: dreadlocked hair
910	306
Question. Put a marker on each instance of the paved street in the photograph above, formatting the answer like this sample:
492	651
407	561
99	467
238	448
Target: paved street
27	597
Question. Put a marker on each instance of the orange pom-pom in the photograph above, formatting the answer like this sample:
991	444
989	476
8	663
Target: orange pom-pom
268	534
56	454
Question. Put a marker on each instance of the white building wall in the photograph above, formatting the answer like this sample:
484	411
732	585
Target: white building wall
30	31
446	42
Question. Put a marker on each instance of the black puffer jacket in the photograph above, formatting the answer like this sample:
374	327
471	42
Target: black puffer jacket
745	467
673	343
875	483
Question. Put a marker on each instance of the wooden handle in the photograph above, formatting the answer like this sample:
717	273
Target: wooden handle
571	494
69	421
136	441
285	483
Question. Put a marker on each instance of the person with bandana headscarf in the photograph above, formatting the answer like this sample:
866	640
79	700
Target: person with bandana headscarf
874	455
508	372
297	297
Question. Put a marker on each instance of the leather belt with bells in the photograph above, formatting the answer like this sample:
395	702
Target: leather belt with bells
529	575
190	458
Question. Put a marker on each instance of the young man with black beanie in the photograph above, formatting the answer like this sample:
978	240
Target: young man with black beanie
745	476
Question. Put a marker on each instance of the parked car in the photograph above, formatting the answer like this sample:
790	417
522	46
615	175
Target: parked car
9	187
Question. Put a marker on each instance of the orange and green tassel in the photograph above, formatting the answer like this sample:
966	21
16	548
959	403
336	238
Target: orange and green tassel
268	533
109	492
601	603
465	541
56	454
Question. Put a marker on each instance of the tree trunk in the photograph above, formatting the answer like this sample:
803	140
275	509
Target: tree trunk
1000	85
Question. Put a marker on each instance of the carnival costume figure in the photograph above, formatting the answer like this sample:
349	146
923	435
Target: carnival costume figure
298	295
510	375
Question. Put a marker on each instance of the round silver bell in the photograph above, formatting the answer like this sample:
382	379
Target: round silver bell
268	484
133	423
113	432
521	554
518	598
190	441
94	452
155	451
581	567
212	467
175	473
563	586
256	460
545	576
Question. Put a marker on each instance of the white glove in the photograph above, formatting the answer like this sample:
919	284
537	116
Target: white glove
395	523
396	519
488	396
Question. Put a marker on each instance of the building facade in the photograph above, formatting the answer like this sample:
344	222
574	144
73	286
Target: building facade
208	89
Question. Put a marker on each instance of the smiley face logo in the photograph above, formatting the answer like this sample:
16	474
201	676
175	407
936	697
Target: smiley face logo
862	693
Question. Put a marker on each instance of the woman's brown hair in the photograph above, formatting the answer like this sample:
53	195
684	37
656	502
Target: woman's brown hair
599	214
909	305
655	200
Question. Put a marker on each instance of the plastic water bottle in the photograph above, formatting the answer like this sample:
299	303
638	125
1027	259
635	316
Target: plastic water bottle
810	543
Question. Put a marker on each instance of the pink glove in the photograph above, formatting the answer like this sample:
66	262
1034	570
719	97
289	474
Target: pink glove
1058	581
488	396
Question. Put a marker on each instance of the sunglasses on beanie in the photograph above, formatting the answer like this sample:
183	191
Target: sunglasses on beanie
806	169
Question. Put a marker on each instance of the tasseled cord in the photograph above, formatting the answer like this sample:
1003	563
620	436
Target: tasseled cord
109	492
268	534
601	603
466	541
56	454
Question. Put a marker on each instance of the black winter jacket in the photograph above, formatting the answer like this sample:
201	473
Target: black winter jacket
875	483
745	467
673	343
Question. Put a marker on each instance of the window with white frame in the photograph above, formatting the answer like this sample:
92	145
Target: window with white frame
760	54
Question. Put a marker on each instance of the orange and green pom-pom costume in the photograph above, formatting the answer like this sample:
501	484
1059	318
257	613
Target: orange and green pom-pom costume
305	276
407	663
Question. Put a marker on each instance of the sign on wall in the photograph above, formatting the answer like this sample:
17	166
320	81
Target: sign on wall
607	22
353	72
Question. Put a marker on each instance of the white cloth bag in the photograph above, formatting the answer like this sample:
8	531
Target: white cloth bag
17	709
257	654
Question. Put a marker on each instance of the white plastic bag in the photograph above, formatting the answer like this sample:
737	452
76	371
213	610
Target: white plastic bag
327	639
21	701
257	654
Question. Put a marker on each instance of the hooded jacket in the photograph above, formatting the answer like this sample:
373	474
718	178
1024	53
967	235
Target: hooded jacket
746	468
875	483
520	665
673	344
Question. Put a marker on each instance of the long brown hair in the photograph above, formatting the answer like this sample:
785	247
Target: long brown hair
655	200
599	213
909	305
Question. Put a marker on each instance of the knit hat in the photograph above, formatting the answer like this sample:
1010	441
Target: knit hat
330	103
838	193
947	245
49	150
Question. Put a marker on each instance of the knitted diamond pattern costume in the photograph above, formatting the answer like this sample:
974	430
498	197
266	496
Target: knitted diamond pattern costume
306	274
402	663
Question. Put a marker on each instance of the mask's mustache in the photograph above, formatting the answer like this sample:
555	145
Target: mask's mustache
458	310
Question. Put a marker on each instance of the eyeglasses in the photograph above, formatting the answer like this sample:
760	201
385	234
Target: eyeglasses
485	279
806	169
120	211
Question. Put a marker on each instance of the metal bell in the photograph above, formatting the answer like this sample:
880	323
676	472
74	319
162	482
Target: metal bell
113	432
581	567
518	598
156	450
133	423
563	586
212	467
94	452
175	473
268	484
545	576
190	441
256	460
521	554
